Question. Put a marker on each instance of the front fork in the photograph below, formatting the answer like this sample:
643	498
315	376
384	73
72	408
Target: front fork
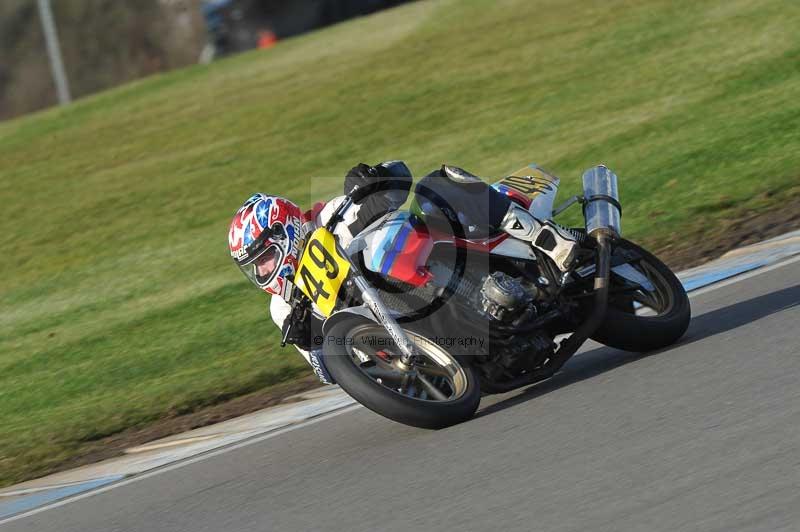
381	312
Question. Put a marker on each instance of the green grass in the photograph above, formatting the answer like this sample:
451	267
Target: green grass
119	301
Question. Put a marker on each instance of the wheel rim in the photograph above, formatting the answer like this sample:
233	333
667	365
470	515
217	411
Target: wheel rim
656	302
434	375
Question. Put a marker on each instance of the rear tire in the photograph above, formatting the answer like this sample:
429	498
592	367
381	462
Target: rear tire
623	329
380	398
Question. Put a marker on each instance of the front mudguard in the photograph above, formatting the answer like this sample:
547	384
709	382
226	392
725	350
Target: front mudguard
336	317
360	310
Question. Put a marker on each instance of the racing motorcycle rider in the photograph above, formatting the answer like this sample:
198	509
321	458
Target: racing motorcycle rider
267	231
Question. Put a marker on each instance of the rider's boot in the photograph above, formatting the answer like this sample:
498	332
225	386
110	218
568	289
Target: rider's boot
548	237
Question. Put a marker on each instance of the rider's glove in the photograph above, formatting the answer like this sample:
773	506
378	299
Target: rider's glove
383	188
299	332
358	173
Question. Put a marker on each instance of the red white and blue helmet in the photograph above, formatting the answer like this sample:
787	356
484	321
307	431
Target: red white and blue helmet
264	240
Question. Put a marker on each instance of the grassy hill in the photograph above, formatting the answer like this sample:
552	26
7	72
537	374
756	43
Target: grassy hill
119	301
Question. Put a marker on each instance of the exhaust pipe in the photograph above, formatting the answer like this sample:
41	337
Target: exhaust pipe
571	345
601	208
602	211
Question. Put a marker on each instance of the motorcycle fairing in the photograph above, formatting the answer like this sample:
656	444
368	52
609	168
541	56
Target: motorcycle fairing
399	245
399	248
513	248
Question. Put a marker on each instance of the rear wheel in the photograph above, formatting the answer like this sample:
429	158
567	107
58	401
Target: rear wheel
649	316
435	392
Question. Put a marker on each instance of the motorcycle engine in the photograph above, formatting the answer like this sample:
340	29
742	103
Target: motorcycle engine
504	298
509	301
512	301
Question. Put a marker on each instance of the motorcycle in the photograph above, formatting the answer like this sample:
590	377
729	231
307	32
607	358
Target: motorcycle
420	322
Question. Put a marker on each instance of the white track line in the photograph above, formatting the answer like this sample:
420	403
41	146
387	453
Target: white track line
323	417
742	276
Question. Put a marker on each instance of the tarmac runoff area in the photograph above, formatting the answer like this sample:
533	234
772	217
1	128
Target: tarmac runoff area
182	449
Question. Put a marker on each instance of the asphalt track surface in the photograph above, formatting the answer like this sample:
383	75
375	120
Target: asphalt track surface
701	436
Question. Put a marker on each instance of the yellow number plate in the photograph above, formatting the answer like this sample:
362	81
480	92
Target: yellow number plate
322	270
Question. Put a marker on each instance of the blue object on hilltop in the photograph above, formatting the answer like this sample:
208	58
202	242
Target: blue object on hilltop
212	12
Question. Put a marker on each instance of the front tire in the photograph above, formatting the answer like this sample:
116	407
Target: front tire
448	393
624	329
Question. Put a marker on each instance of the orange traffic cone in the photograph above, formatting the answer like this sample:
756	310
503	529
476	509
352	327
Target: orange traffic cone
266	39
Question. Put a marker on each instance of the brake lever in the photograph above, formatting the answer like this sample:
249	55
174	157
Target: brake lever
288	330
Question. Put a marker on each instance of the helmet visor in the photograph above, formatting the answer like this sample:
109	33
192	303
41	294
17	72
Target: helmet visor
264	268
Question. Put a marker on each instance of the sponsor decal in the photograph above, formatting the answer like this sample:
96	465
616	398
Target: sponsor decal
318	366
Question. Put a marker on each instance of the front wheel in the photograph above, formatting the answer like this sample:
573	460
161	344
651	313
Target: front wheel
644	318
435	392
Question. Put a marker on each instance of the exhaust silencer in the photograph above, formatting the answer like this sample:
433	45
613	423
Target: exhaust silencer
601	209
